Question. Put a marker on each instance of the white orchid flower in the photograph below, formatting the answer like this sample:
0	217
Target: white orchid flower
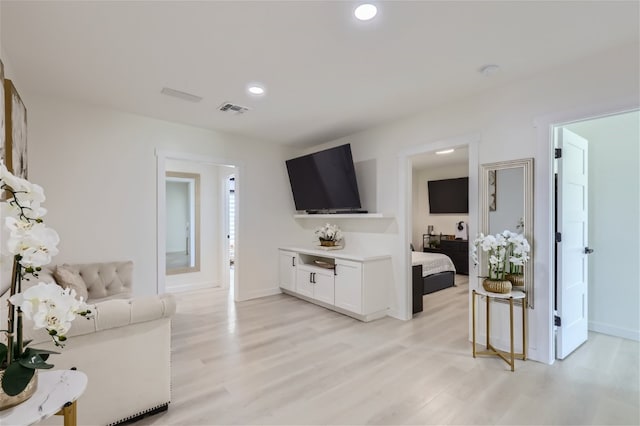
51	307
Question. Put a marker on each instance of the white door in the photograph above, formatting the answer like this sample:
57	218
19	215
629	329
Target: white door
573	249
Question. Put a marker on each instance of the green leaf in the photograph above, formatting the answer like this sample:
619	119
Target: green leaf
16	378
34	361
36	351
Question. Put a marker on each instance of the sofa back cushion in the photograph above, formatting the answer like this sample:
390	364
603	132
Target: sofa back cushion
103	280
68	277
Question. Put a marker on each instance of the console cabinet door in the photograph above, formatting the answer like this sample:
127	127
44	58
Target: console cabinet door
288	262
348	287
304	281
323	287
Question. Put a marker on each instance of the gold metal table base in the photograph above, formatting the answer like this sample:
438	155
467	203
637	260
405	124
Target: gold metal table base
69	413
508	357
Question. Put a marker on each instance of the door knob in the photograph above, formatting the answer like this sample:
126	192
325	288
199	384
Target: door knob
588	250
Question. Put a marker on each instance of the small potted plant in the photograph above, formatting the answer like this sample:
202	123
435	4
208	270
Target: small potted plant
329	235
506	251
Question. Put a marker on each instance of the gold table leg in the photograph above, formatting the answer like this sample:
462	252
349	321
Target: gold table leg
69	413
507	356
488	322
473	320
524	328
513	359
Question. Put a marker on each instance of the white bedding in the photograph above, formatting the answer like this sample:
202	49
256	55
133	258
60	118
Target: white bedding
432	263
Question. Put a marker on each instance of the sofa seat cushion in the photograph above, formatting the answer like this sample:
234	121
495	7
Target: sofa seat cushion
112	314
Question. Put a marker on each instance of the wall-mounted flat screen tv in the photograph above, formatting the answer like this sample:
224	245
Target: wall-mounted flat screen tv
325	181
449	195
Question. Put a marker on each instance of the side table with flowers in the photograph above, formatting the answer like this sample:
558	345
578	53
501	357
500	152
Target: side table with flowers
32	245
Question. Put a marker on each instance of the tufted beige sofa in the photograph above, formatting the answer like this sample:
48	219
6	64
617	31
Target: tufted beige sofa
125	350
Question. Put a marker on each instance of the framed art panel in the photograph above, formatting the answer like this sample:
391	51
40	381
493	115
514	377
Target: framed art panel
16	131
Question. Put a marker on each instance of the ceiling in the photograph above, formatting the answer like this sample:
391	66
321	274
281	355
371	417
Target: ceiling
326	74
430	160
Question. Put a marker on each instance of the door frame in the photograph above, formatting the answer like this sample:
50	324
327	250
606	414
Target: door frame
405	217
161	157
227	228
544	218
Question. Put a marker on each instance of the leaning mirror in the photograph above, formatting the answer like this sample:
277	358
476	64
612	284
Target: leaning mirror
506	203
183	222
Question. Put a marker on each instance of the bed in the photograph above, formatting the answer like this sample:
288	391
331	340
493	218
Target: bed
436	271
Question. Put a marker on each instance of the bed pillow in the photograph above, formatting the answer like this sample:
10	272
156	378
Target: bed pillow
66	277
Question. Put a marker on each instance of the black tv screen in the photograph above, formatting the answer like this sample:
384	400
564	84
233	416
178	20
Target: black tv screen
449	195
324	180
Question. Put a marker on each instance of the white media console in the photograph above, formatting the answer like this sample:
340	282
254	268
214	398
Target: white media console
345	282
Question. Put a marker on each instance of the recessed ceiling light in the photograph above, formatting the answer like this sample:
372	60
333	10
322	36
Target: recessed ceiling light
445	151
255	89
365	11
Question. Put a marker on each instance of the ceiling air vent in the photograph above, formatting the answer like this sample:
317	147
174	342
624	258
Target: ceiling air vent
235	109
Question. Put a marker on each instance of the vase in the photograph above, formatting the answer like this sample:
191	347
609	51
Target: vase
7	401
327	243
497	285
517	280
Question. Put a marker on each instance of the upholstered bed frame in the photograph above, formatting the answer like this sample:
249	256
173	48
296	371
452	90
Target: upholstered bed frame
429	284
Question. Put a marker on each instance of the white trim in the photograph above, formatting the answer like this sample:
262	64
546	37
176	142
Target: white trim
612	330
405	213
193	286
543	217
254	294
161	157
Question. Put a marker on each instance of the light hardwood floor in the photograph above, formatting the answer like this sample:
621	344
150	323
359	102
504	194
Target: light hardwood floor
280	360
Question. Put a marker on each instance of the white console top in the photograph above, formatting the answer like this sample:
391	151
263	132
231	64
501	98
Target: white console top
338	254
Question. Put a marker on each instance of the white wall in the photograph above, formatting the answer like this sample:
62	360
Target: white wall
505	119
614	224
98	168
443	223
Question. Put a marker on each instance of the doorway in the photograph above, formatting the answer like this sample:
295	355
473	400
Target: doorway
408	192
211	240
439	225
612	231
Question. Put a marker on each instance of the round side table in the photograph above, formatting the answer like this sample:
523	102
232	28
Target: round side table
57	393
508	357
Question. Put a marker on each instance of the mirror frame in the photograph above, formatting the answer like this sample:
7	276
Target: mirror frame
196	182
527	165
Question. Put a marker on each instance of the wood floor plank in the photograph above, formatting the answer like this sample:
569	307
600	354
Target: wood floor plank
278	360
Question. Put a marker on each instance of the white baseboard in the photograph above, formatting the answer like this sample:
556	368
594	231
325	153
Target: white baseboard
254	294
187	287
612	330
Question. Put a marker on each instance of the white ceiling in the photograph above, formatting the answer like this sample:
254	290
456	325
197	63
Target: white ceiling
429	160
326	74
